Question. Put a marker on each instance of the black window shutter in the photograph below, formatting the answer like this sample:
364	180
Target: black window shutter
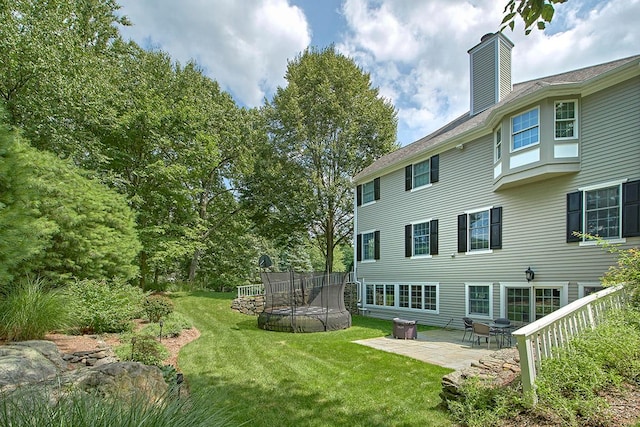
359	247
631	209
435	168
408	240
359	195
495	241
462	233
574	215
376	189
376	248
408	178
433	236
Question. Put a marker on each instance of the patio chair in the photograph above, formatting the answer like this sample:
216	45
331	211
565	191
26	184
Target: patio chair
504	330
468	327
482	330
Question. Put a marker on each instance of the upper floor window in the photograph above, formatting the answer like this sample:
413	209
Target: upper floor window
480	230
498	144
525	129
368	246
368	192
566	120
421	238
610	211
423	173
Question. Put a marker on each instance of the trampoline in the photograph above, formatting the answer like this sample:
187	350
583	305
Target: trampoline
304	302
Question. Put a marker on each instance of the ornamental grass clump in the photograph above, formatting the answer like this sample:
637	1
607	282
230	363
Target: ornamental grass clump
29	309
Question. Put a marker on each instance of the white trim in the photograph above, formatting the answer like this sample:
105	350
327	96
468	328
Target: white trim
525	156
488	208
582	285
425	256
421	187
373	202
479	251
566	151
575	120
595	242
466	300
421	221
603	185
396	290
497	170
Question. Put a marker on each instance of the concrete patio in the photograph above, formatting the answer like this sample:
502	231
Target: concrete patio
438	346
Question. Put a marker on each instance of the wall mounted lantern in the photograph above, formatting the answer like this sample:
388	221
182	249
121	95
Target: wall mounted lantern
529	274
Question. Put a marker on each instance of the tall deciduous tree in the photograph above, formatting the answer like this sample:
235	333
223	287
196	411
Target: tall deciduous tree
325	126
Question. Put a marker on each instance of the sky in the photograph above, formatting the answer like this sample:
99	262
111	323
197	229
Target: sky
414	50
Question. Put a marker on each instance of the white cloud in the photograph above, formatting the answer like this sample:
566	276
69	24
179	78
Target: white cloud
414	50
244	45
428	41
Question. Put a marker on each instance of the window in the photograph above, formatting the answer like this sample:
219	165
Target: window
368	246
525	129
478	301
421	238
566	120
480	230
421	174
525	303
368	192
518	305
418	296
381	295
498	144
547	301
611	211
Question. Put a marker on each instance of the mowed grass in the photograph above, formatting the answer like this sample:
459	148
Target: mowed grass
318	379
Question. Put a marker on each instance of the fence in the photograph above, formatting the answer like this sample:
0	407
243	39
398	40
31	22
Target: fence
537	340
250	290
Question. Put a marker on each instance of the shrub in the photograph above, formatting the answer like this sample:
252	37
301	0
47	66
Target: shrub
483	406
37	407
142	348
29	309
157	306
172	326
105	307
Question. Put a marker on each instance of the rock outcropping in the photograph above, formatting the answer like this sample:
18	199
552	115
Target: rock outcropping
500	369
39	363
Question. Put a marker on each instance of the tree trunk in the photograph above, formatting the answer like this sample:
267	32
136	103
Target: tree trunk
194	265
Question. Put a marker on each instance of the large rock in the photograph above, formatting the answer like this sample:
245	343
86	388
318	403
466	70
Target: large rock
29	362
499	369
39	363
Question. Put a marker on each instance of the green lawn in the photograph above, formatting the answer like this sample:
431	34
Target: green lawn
320	379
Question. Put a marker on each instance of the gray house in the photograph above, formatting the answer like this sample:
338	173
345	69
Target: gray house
447	226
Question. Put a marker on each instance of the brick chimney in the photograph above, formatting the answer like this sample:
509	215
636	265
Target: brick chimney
490	71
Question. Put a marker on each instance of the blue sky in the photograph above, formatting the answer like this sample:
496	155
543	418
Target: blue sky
414	50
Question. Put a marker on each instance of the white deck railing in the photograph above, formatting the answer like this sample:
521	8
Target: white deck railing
538	340
250	290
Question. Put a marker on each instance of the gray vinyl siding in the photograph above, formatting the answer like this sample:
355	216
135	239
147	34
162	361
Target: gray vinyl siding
505	70
483	79
534	214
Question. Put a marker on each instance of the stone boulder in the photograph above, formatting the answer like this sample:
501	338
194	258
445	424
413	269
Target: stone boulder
39	363
499	369
29	362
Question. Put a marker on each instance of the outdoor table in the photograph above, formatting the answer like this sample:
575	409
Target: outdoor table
502	329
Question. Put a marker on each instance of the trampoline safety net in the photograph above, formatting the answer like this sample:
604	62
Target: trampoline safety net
304	302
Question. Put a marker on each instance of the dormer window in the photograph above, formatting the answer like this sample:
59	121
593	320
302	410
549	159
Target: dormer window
566	120
525	129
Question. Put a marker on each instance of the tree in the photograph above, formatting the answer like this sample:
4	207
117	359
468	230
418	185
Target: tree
539	12
322	129
54	73
56	221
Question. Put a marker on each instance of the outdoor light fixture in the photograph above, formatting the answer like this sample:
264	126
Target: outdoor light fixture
529	274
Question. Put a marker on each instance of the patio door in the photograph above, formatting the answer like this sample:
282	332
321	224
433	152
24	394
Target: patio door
526	304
